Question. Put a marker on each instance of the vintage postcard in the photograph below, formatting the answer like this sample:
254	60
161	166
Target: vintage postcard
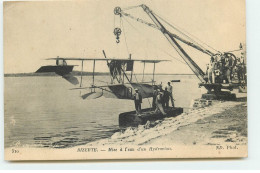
130	79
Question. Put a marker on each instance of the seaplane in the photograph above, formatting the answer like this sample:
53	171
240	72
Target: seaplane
121	86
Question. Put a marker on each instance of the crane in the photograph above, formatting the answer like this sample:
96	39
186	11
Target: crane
214	89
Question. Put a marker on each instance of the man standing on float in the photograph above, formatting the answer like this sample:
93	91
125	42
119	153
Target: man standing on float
169	89
138	101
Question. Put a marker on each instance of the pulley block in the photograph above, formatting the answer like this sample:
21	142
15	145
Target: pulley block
117	11
117	32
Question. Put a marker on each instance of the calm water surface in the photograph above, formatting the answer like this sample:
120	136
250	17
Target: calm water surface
44	112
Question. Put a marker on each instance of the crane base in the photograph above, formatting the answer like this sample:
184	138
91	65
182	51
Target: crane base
223	95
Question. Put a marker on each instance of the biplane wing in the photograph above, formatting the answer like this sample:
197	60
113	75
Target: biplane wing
107	59
119	91
117	67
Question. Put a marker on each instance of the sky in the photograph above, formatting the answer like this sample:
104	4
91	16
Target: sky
34	31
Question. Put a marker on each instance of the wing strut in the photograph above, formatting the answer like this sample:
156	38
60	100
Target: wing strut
143	72
81	73
124	74
104	53
93	83
130	56
153	73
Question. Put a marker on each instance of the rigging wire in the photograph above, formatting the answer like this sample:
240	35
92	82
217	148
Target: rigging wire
140	20
102	81
131	7
152	25
175	27
178	30
152	42
124	31
143	90
114	21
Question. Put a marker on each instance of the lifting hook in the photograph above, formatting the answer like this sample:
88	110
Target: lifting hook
117	32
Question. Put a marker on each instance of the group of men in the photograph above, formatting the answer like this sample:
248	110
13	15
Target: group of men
161	99
224	68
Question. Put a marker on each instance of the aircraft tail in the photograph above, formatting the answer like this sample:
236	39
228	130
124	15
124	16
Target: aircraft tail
63	71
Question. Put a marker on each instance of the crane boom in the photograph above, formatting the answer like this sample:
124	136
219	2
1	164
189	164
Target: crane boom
208	52
191	44
223	79
193	66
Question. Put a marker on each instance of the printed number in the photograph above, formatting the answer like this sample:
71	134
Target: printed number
14	151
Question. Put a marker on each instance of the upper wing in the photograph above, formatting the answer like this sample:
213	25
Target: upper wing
105	59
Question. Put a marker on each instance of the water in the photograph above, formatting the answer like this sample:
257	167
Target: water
44	112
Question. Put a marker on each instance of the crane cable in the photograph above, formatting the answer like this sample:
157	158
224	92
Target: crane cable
154	26
140	20
197	69
125	36
174	27
143	90
179	31
131	7
152	42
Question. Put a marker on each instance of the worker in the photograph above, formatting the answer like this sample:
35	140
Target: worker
212	66
155	93
221	71
244	73
242	58
166	97
160	86
207	73
210	72
233	65
158	102
223	68
228	66
243	67
218	57
138	101
218	78
239	71
169	89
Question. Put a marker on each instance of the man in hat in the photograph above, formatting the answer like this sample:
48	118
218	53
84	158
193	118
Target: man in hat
159	100
155	93
166	97
169	89
138	101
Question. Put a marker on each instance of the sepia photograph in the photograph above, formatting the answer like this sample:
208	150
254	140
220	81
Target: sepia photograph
130	79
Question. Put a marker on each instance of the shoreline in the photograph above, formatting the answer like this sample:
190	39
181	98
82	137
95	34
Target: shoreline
215	131
222	122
